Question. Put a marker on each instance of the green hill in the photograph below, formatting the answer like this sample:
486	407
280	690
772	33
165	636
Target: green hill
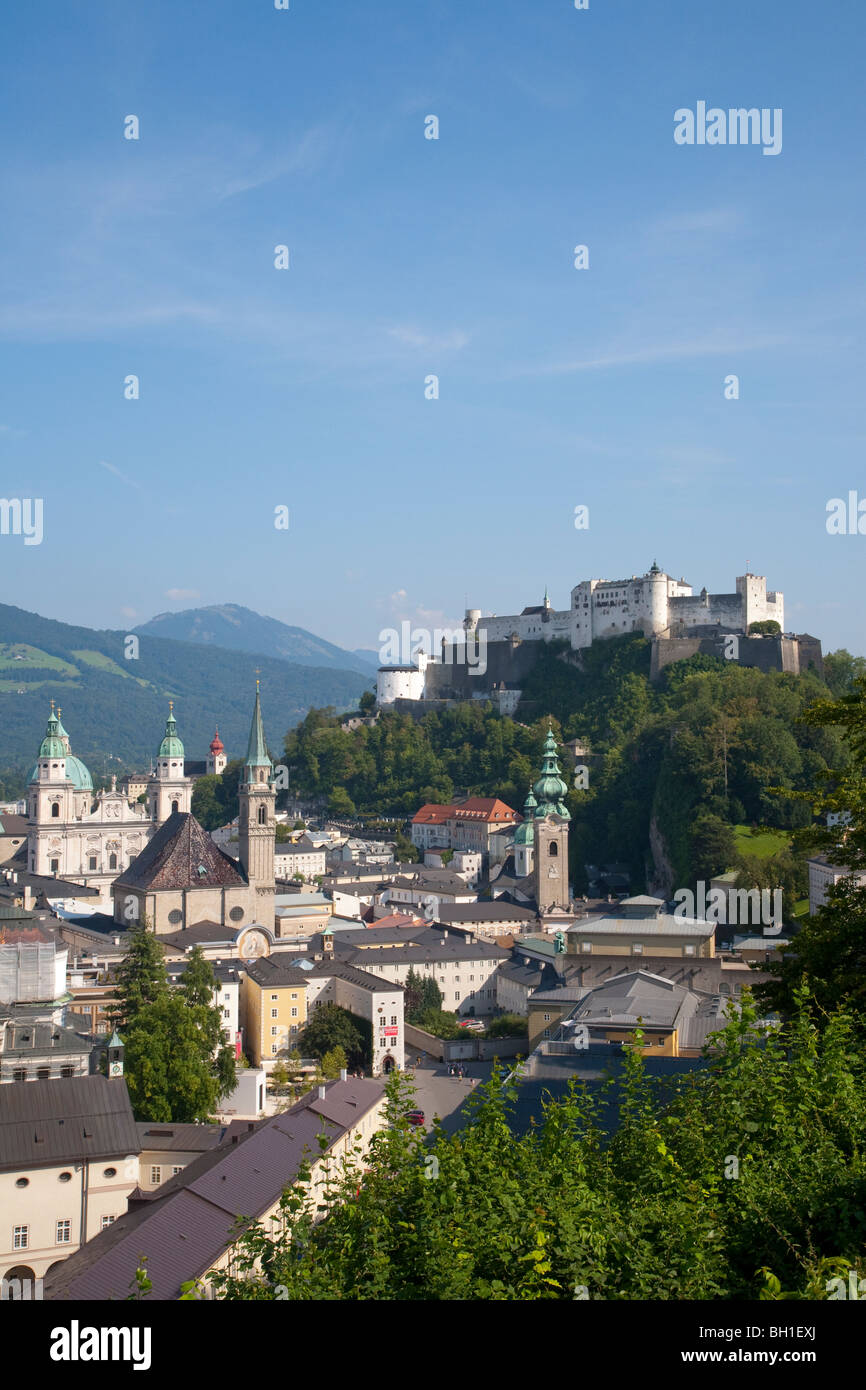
114	708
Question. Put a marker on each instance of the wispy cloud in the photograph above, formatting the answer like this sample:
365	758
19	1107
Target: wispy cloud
433	342
661	352
177	594
110	468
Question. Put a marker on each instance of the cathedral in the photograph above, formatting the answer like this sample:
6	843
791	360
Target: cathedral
91	838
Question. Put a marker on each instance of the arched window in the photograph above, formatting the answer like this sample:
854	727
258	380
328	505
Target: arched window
112	861
55	809
553	849
263	815
174	807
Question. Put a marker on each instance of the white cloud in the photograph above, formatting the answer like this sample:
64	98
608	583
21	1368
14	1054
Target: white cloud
128	612
177	594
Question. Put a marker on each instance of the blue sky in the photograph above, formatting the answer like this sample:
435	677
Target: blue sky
409	256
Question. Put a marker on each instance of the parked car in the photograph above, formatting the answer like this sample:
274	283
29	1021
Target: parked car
415	1117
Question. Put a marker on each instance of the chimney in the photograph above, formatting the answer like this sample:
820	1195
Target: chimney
344	1075
321	1093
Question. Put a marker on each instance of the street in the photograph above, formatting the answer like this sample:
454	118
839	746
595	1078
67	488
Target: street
437	1093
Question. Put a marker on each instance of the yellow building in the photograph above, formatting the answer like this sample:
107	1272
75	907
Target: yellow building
273	1008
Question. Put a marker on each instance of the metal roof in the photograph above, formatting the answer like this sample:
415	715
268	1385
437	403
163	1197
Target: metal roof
50	1122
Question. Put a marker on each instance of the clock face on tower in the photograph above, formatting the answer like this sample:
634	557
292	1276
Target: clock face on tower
115	1069
553	872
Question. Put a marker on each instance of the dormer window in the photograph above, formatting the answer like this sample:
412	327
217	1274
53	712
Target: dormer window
201	871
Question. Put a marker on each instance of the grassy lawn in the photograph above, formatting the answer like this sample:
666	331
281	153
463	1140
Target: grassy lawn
762	844
18	656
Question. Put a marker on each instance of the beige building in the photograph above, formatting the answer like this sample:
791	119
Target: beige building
191	1226
640	927
68	1162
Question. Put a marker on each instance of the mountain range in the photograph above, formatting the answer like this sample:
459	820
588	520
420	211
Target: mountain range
115	701
240	629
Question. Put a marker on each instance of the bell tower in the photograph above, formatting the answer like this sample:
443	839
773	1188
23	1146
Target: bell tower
552	817
169	789
257	797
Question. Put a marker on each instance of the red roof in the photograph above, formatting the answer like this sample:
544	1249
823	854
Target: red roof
217	745
486	808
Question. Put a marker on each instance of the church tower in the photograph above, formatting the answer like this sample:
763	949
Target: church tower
216	758
524	838
256	822
551	834
169	789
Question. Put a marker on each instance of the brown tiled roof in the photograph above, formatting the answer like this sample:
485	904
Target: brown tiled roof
172	859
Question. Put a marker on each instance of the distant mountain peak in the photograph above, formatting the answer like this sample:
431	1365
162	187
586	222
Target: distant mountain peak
237	628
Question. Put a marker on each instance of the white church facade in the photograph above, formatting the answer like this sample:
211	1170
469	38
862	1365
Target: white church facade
90	837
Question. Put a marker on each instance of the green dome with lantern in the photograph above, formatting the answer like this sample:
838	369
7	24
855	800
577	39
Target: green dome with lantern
525	832
550	790
171	746
55	744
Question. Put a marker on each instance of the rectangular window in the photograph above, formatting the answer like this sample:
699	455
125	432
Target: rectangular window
20	1237
547	1018
586	947
275	1047
105	1222
227	1013
393	1020
294	1012
91	863
156	1175
294	994
690	950
177	1168
275	1013
275	1031
636	948
274	998
547	1032
456	994
63	1232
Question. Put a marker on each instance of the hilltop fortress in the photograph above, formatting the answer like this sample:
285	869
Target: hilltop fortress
678	621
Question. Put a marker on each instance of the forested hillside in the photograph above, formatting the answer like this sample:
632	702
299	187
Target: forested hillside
693	756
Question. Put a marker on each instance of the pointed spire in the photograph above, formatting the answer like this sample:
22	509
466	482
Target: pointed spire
257	748
171	746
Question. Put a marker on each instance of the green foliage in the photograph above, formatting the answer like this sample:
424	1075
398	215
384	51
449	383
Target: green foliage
367	702
744	1179
767	625
176	1062
422	995
508	1026
441	1024
332	1026
140	978
333	1063
215	799
712	846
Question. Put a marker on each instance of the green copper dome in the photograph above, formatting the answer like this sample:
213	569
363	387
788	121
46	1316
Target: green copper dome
525	832
55	744
171	746
550	790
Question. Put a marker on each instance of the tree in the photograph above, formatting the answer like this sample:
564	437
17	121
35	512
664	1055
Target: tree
199	989
767	625
333	1062
170	1070
340	804
712	847
140	978
332	1026
367	702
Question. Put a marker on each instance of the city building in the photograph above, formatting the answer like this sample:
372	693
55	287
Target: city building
68	1162
640	926
190	1225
